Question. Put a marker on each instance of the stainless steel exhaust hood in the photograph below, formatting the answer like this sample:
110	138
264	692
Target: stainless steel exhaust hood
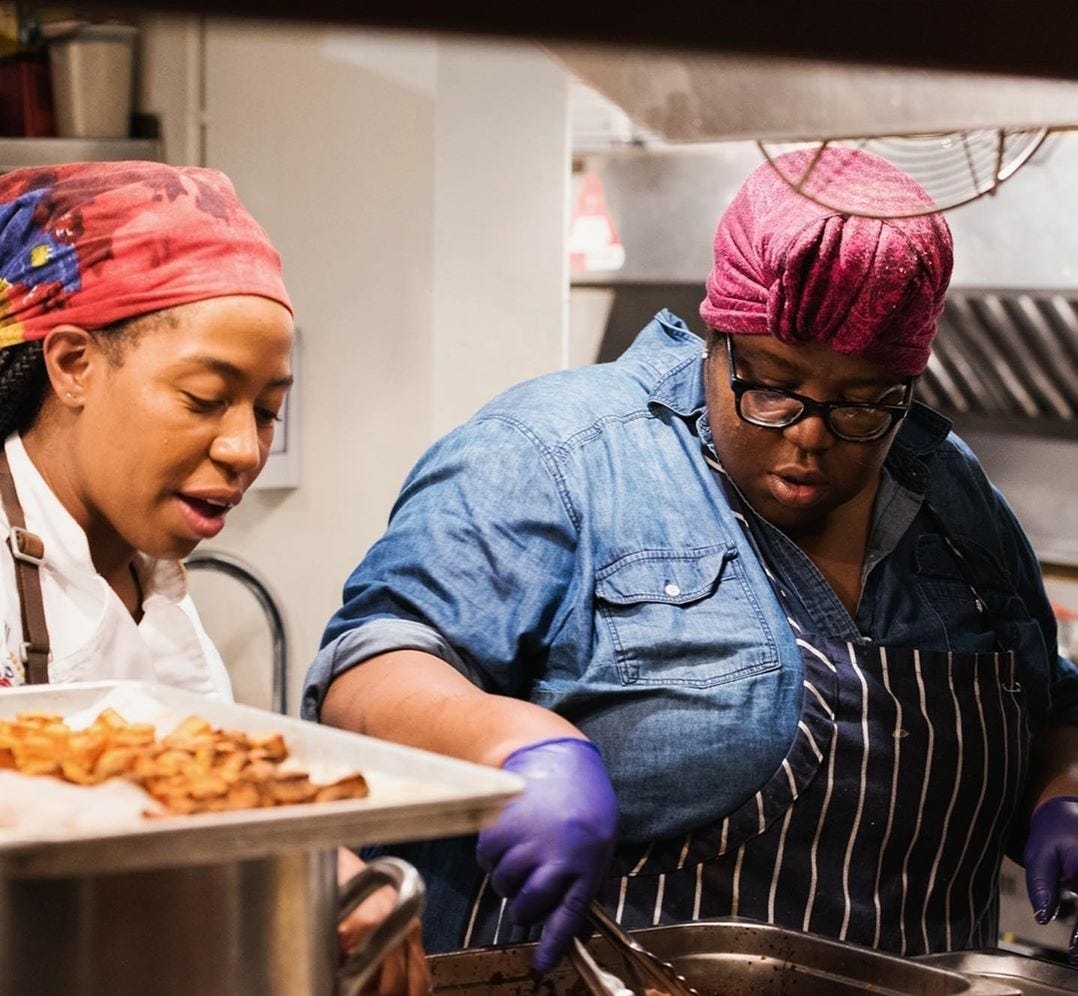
681	97
960	134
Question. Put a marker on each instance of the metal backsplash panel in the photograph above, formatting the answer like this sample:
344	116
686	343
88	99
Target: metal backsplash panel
1008	359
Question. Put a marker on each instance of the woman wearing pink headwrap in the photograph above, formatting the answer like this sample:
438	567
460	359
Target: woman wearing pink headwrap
750	622
145	343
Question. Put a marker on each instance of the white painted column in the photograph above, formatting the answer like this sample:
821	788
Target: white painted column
502	173
416	189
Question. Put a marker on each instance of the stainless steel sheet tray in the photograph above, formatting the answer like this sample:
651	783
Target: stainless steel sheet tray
414	794
1030	976
722	958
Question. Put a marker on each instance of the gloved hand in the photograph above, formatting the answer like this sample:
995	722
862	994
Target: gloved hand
549	849
1051	859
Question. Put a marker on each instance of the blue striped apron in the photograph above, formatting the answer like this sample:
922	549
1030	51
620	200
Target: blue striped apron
884	825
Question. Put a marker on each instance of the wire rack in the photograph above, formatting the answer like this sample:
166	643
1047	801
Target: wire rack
954	168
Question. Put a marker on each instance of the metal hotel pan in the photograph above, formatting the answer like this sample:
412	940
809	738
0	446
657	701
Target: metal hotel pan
413	794
242	903
1030	976
722	958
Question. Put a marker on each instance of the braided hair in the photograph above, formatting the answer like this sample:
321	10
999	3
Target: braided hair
22	386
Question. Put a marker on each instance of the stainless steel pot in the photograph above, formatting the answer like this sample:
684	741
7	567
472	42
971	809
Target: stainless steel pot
264	927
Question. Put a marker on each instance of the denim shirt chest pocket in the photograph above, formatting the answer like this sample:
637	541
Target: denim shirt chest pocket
683	617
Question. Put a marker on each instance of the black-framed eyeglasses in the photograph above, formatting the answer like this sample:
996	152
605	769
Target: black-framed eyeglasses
775	408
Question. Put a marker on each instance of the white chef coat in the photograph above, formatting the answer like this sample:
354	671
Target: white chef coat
93	636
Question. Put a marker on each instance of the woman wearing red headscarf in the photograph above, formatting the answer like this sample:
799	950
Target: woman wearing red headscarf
147	335
751	623
145	341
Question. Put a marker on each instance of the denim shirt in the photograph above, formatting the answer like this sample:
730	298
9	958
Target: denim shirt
570	545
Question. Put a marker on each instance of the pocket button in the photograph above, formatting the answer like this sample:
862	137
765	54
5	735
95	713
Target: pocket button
672	590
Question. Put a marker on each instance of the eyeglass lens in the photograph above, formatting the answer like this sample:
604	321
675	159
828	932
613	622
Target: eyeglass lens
771	408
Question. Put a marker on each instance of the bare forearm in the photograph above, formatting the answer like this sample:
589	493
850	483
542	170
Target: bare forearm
417	699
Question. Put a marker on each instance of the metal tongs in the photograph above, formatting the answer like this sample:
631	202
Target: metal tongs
645	970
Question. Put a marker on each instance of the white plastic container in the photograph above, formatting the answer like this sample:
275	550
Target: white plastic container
92	80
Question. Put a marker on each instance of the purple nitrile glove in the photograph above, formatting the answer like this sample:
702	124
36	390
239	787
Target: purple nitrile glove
1051	859
548	851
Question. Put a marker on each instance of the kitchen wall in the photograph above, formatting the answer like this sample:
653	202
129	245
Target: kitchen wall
417	191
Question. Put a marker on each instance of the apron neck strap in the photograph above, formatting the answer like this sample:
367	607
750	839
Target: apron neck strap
28	551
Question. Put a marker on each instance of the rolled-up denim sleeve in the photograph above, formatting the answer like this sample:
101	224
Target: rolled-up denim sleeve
354	646
472	568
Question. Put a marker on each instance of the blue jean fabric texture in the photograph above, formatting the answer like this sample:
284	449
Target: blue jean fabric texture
569	545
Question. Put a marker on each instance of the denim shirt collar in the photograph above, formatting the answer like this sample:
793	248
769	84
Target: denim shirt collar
922	432
680	387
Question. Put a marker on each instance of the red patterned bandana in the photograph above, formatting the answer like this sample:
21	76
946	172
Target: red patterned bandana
91	244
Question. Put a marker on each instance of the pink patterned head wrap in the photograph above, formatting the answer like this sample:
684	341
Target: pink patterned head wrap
786	266
92	244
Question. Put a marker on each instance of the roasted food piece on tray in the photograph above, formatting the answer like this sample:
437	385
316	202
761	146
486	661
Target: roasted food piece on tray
194	769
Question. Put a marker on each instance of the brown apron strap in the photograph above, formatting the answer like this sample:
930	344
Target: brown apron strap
28	551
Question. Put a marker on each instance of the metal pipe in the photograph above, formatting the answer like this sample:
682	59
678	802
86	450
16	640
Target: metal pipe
225	563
